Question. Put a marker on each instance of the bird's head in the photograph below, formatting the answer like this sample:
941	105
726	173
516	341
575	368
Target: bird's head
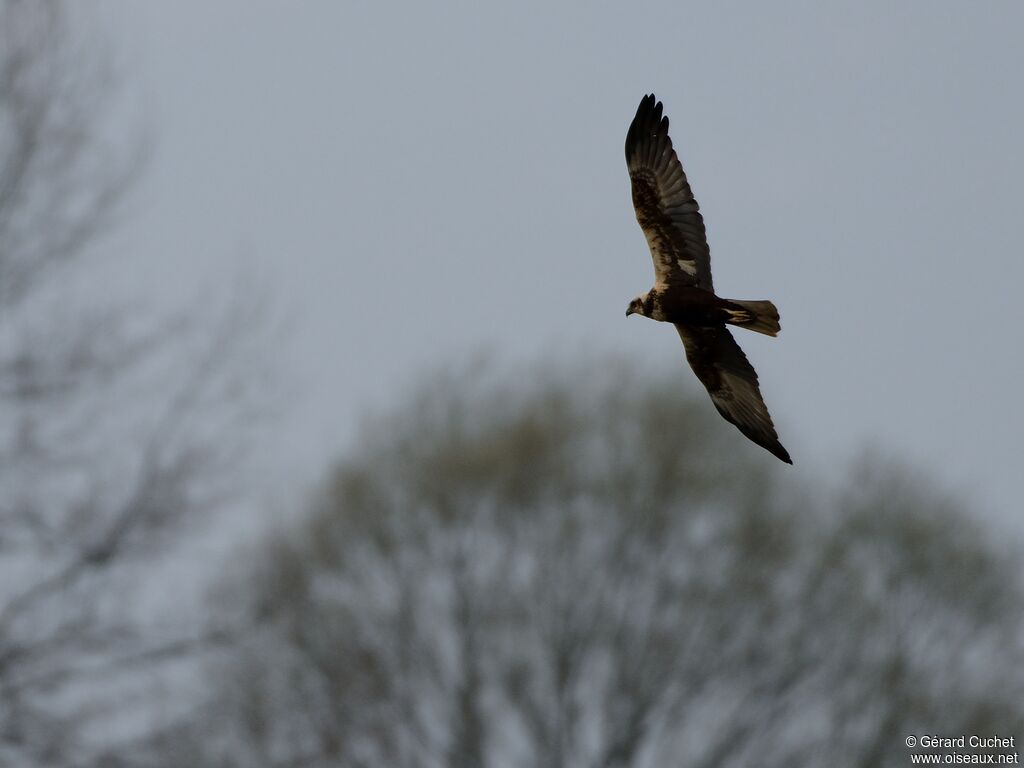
638	306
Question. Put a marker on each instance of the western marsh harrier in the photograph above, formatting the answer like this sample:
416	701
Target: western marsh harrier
683	293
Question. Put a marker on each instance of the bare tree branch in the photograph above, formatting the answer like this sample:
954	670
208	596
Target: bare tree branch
115	427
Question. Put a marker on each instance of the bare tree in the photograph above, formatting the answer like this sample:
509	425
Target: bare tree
111	421
581	571
62	174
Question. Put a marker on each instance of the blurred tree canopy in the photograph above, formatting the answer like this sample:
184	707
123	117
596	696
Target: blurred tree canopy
582	567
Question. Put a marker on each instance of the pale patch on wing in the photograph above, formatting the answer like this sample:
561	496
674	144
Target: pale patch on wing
687	266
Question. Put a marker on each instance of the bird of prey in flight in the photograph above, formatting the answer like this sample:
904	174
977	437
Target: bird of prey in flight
683	293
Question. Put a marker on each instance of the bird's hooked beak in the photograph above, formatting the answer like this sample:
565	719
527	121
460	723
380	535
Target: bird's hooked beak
630	310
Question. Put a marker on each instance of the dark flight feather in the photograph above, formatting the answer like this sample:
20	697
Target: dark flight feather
665	207
731	381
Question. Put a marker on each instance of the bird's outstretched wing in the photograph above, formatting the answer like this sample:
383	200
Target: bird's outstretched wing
731	381
664	203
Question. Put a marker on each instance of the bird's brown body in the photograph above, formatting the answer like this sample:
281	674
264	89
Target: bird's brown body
690	306
687	305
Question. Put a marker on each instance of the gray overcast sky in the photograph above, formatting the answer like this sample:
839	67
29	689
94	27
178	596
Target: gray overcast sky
423	180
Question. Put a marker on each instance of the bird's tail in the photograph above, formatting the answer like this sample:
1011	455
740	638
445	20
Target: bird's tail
760	316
